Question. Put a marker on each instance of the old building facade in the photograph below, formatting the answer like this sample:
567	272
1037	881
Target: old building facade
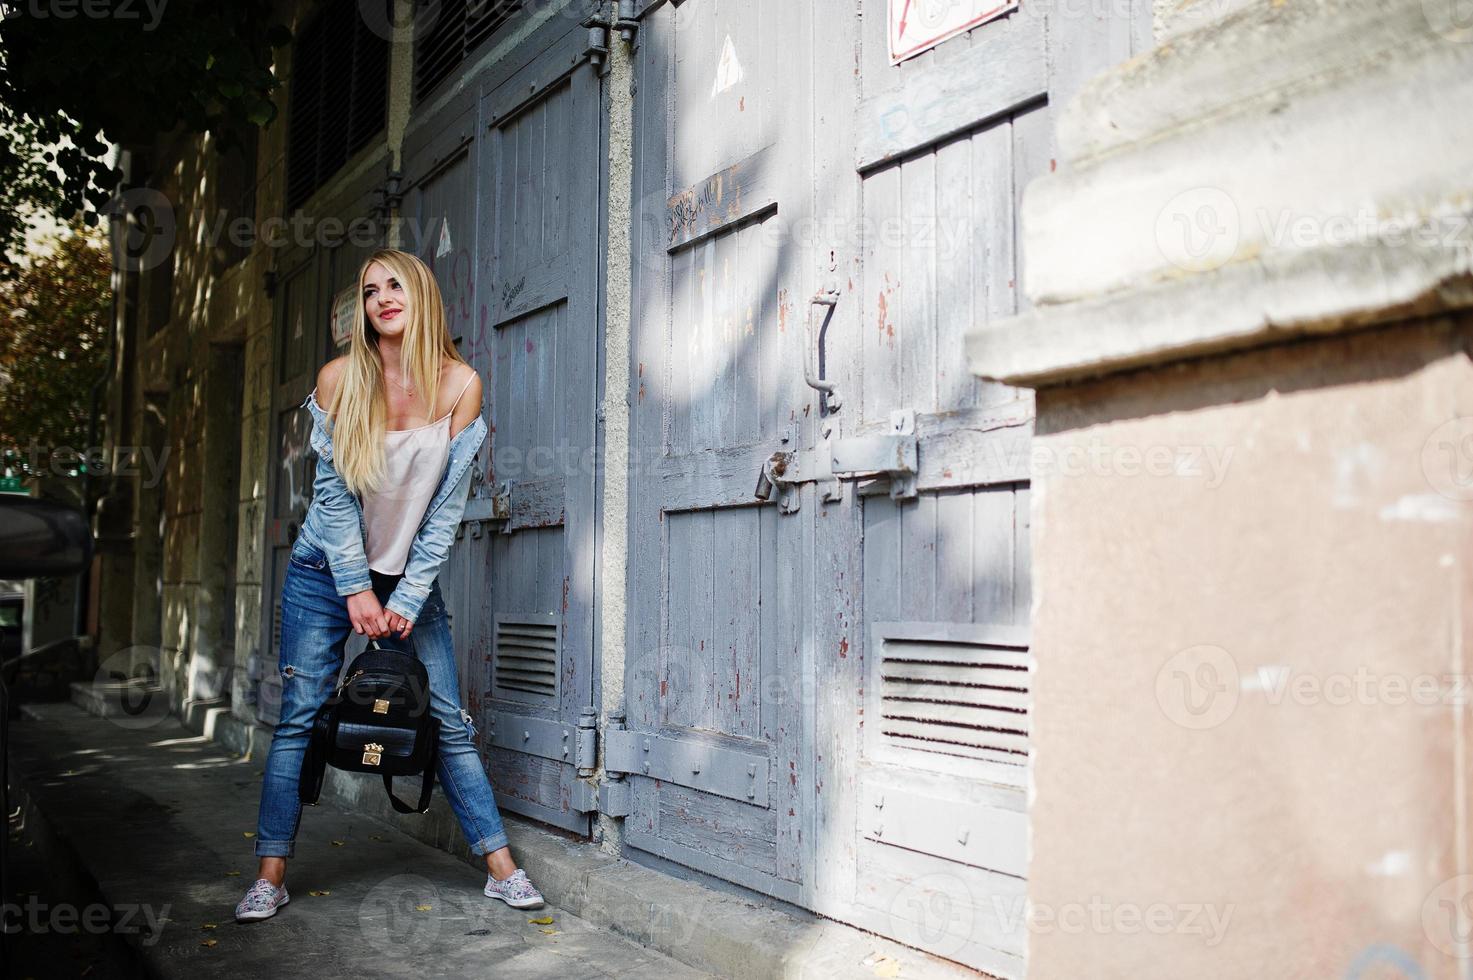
749	585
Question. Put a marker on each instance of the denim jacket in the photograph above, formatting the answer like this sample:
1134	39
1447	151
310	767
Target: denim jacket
335	525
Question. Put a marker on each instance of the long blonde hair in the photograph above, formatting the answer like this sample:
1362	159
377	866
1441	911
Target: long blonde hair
361	402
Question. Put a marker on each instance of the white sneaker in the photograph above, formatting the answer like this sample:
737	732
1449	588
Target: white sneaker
261	902
516	891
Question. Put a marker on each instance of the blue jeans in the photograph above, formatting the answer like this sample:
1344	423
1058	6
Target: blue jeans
314	629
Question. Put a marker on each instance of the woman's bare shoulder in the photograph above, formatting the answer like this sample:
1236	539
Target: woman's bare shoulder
453	370
327	379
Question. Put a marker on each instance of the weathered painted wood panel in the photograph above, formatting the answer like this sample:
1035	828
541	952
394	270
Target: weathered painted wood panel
519	183
898	189
719	582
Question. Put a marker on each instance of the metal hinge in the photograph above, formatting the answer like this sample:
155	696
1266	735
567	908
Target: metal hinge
697	764
599	25
597	51
614	797
586	754
585	795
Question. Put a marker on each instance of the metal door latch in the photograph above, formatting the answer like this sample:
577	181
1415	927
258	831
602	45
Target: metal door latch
893	455
813	372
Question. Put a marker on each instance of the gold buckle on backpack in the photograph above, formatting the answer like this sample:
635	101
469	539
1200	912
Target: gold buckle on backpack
380	706
371	753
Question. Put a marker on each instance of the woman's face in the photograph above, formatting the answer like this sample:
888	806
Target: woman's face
385	301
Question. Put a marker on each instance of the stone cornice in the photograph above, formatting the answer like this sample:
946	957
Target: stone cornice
1292	168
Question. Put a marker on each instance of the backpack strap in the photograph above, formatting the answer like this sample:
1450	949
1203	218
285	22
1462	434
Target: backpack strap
427	784
314	760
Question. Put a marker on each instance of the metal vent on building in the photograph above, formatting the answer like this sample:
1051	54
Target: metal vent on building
525	658
339	93
947	693
458	29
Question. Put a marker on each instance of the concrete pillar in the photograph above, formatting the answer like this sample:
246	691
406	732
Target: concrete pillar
1253	502
614	496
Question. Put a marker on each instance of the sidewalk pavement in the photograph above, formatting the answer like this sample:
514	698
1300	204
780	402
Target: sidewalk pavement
158	821
149	807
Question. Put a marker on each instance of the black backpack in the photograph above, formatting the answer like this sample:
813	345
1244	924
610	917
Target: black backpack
378	721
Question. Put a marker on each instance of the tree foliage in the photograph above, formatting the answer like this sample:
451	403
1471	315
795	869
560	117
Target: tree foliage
78	74
54	320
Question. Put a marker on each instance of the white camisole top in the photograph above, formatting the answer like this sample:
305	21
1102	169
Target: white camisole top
414	462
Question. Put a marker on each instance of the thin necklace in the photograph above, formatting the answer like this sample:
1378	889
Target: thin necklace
407	390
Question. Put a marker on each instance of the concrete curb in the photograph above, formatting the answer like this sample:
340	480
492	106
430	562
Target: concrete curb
704	928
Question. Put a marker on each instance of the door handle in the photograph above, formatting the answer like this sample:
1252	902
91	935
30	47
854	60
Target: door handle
812	373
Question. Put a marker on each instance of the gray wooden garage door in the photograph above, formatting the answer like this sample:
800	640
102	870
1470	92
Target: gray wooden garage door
505	189
828	678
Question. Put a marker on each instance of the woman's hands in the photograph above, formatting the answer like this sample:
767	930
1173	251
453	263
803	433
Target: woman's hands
372	619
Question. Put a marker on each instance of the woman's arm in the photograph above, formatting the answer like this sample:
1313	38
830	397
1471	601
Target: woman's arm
344	548
427	553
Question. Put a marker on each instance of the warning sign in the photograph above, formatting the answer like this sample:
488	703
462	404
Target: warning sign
444	248
920	25
344	307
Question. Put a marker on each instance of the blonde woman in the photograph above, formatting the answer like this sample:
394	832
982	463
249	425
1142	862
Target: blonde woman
396	426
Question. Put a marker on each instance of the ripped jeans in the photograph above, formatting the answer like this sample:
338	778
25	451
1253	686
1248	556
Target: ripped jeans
314	629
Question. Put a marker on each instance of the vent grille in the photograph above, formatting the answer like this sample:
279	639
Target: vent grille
955	697
460	27
525	659
339	93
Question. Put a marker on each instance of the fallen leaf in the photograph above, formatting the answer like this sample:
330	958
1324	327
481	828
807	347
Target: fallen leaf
887	967
318	892
548	932
423	908
232	874
337	843
210	942
374	837
546	920
250	833
207	925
